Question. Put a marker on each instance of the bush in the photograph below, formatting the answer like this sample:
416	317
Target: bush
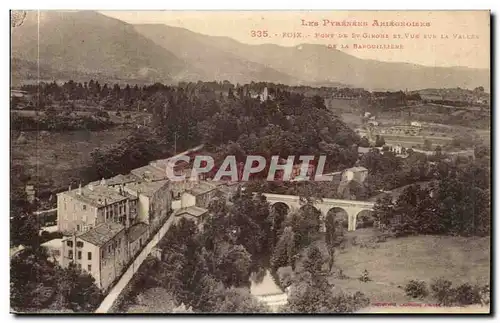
348	303
416	289
365	277
102	114
442	291
467	294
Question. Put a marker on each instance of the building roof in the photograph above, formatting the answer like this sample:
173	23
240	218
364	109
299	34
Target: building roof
145	188
98	195
357	169
227	189
149	172
195	211
102	233
364	150
201	188
136	231
53	244
122	179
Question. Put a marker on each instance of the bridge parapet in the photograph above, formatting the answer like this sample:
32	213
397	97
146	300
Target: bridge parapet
351	207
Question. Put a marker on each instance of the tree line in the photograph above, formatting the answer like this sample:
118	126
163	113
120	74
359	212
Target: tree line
458	203
210	269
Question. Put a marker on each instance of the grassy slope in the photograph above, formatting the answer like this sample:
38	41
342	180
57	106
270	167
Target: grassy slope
61	156
395	262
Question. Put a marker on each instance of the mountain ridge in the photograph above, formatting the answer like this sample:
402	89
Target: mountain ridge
89	42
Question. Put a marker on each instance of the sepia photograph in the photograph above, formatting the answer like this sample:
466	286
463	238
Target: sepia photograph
250	162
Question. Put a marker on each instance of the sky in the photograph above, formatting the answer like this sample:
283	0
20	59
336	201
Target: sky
467	43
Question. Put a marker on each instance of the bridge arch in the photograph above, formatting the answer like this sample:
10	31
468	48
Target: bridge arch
340	216
365	219
351	207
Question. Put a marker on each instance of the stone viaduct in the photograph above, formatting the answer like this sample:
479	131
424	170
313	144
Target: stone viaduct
351	209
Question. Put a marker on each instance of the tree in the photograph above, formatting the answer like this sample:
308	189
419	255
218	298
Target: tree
84	295
305	225
38	284
313	262
312	293
331	238
364	142
23	225
383	211
154	300
232	265
427	145
238	300
379	141
284	254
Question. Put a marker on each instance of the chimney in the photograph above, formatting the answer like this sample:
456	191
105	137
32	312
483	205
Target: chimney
69	187
127	214
90	187
103	181
79	192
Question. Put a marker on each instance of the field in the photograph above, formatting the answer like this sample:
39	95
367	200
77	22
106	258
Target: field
135	117
60	156
438	134
392	264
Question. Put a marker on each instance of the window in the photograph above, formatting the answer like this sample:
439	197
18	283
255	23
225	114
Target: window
69	243
70	254
84	207
89	255
110	248
89	267
77	227
102	253
79	244
79	255
79	266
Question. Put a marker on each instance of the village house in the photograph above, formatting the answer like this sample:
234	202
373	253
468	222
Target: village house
199	195
357	174
192	213
137	235
102	252
154	201
150	173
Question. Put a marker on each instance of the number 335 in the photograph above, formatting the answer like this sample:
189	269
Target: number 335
259	33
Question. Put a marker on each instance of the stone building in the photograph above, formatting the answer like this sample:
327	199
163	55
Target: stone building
102	252
357	174
154	201
84	208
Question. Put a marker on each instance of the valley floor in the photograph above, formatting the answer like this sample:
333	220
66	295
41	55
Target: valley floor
393	263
